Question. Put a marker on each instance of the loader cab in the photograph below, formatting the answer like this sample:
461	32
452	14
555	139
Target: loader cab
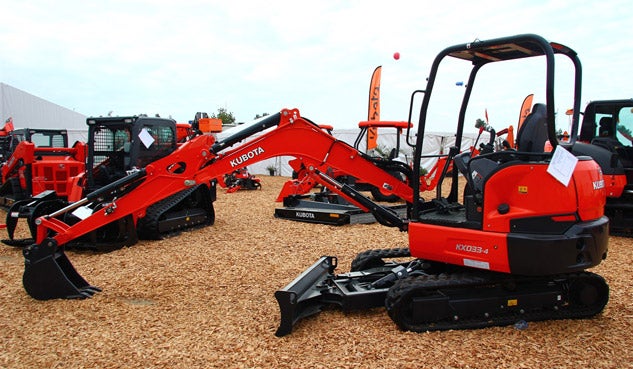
119	144
609	124
41	137
606	134
51	138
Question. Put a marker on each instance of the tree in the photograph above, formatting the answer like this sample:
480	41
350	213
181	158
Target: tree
480	123
224	115
260	116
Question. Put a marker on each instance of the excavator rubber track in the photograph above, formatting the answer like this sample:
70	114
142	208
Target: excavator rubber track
425	296
620	213
186	209
478	300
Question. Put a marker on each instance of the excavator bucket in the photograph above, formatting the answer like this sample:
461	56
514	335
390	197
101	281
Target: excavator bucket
48	274
303	296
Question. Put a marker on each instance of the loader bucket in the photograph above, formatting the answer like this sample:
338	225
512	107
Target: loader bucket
48	274
303	296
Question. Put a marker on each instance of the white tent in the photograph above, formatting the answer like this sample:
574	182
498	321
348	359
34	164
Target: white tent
29	111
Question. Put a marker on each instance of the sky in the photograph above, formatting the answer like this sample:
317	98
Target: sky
176	58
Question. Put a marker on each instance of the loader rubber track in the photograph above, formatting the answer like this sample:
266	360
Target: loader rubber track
153	225
478	299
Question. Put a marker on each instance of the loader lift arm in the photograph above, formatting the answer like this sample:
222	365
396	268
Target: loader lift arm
200	161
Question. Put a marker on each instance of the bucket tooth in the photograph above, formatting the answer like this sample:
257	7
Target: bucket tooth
48	274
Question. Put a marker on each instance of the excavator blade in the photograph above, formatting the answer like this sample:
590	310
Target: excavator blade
303	296
48	274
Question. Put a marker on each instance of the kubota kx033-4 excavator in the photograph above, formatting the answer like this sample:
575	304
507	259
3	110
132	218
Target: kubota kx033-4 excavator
119	207
517	248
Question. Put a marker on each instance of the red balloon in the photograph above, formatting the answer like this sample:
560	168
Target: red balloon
396	55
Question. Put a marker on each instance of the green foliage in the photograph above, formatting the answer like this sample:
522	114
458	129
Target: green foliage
624	131
257	116
224	115
480	123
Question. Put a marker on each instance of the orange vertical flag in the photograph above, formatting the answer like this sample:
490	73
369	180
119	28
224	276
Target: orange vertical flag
373	110
526	107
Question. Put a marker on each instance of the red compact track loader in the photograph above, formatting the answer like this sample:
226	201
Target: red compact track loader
119	210
606	134
518	245
116	147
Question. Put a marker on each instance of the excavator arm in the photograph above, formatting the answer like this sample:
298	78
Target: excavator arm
200	161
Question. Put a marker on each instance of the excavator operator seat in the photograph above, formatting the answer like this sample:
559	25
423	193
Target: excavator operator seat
606	137
476	170
533	132
606	127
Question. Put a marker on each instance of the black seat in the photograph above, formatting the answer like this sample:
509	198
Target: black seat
476	170
606	135
606	127
533	132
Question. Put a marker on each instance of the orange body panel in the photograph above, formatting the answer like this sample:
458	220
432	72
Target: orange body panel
614	185
459	246
530	191
210	125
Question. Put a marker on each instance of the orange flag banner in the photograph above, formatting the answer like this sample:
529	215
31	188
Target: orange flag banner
373	111
525	109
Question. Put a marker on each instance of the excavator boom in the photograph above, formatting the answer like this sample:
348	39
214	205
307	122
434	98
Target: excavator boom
201	161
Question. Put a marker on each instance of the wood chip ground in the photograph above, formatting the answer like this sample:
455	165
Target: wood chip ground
204	299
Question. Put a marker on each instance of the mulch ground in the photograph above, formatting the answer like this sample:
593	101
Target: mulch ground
205	299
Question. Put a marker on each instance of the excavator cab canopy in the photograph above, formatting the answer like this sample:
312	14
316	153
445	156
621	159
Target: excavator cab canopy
481	53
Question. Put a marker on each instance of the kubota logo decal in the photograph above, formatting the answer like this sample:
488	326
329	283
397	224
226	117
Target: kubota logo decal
245	157
598	184
303	214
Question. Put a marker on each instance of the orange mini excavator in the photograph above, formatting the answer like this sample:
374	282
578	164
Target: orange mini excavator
517	246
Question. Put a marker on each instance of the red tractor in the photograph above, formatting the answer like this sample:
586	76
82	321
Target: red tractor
517	246
38	160
241	179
